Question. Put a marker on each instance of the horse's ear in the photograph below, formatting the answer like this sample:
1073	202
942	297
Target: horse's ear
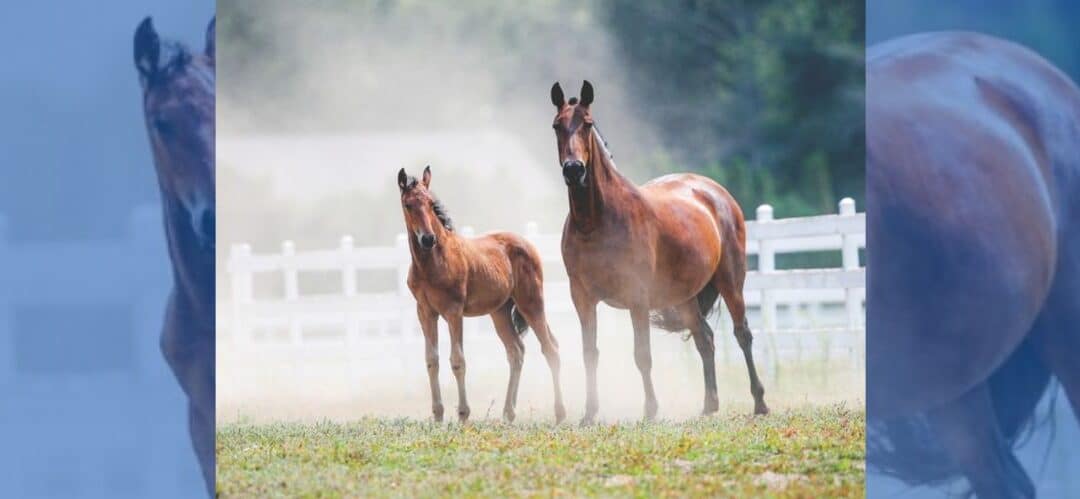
402	180
147	50
426	179
557	97
586	93
210	40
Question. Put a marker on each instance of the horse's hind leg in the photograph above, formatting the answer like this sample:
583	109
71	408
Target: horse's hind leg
690	314
729	281
969	433
533	311
515	355
1057	339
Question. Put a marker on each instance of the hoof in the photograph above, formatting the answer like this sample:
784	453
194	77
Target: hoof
508	416
588	420
463	414
560	414
650	411
760	409
711	406
437	413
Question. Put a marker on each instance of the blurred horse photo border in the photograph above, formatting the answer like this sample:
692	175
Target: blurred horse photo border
499	274
973	297
178	95
664	251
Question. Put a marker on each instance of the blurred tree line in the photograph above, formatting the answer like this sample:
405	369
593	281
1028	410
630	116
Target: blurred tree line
765	96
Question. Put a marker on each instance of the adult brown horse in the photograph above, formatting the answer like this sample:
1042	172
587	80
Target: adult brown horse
973	198
497	274
178	105
670	246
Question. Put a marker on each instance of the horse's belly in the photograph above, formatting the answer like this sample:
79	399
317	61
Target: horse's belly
688	253
488	288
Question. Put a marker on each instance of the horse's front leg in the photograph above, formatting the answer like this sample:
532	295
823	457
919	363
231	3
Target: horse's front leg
457	362
586	310
643	357
429	324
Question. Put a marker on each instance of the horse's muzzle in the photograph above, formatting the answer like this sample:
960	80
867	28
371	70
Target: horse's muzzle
427	241
573	173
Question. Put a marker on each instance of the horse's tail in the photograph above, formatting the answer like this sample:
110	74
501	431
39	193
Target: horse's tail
520	324
907	449
669	320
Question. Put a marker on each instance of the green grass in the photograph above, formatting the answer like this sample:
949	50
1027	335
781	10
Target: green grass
806	452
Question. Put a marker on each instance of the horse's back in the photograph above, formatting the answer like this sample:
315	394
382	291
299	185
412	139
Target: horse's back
508	260
963	207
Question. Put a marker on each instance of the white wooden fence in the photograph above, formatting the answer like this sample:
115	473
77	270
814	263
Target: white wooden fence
809	297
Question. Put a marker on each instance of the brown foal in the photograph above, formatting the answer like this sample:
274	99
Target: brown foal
497	274
669	247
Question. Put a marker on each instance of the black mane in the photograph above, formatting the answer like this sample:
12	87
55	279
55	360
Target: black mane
441	214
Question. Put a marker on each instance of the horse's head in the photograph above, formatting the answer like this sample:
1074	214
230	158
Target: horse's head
573	133
178	105
425	217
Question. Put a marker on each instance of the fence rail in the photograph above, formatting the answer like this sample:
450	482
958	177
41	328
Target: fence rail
392	313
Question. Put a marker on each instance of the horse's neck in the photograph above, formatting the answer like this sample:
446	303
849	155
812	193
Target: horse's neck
607	190
192	264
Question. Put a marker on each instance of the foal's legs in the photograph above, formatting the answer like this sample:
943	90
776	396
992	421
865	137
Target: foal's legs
643	357
729	281
969	433
515	355
586	310
533	311
429	324
457	363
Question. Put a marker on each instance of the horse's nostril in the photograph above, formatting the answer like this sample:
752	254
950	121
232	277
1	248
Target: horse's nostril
427	241
573	171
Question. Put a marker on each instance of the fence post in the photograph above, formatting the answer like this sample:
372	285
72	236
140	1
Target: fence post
766	263
348	288
348	272
852	302
406	314
292	287
242	297
851	262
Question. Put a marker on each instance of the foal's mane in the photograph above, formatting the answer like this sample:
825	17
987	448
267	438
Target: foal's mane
437	206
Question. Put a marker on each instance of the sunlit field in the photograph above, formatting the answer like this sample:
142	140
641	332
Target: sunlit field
812	451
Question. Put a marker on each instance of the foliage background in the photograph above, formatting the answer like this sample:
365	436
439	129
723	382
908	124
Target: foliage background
764	96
